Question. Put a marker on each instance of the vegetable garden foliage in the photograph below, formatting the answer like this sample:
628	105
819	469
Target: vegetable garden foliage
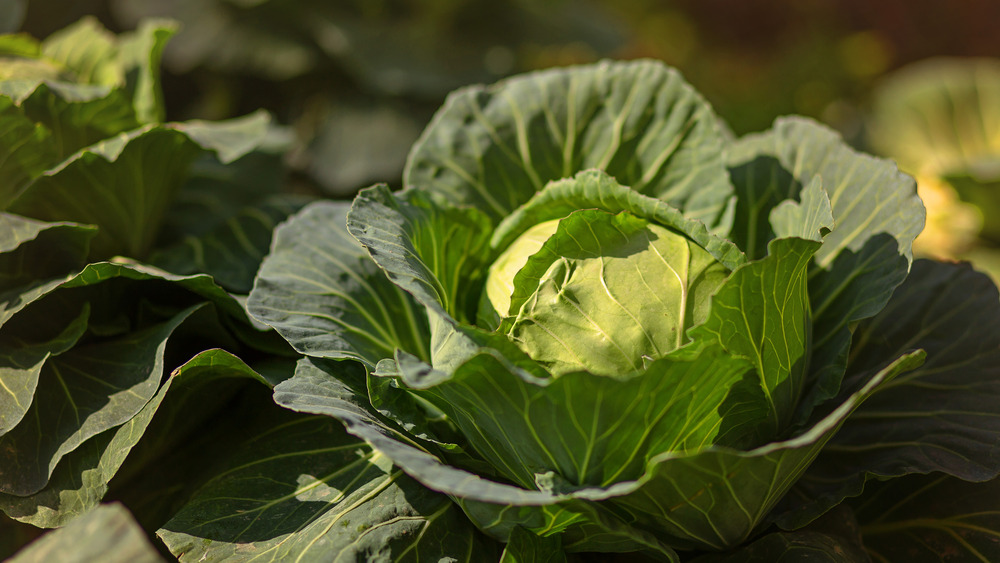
592	325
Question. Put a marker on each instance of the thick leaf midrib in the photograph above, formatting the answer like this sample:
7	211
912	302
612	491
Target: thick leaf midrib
523	147
617	125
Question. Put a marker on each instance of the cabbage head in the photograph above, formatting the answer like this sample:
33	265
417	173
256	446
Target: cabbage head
602	324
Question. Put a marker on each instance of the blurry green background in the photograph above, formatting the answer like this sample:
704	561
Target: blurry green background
356	80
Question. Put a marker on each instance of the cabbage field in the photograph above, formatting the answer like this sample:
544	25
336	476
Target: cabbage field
588	320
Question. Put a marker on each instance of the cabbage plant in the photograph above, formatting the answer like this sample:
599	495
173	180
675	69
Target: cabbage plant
601	324
936	118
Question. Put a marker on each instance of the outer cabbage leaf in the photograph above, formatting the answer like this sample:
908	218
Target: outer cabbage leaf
711	498
108	532
590	430
321	291
526	547
24	278
131	61
876	216
81	393
941	417
89	381
761	313
435	252
834	538
21	362
930	518
494	147
124	184
231	253
300	487
83	477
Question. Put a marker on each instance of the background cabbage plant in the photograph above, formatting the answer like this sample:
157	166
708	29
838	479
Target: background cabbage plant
937	119
599	323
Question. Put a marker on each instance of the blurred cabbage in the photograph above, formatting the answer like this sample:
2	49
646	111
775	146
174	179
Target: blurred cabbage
940	120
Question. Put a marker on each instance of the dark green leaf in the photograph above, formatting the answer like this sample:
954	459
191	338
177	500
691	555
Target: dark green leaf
214	192
494	147
943	416
81	393
834	538
82	478
930	518
301	487
231	253
21	363
322	292
213	394
24	276
527	547
27	147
